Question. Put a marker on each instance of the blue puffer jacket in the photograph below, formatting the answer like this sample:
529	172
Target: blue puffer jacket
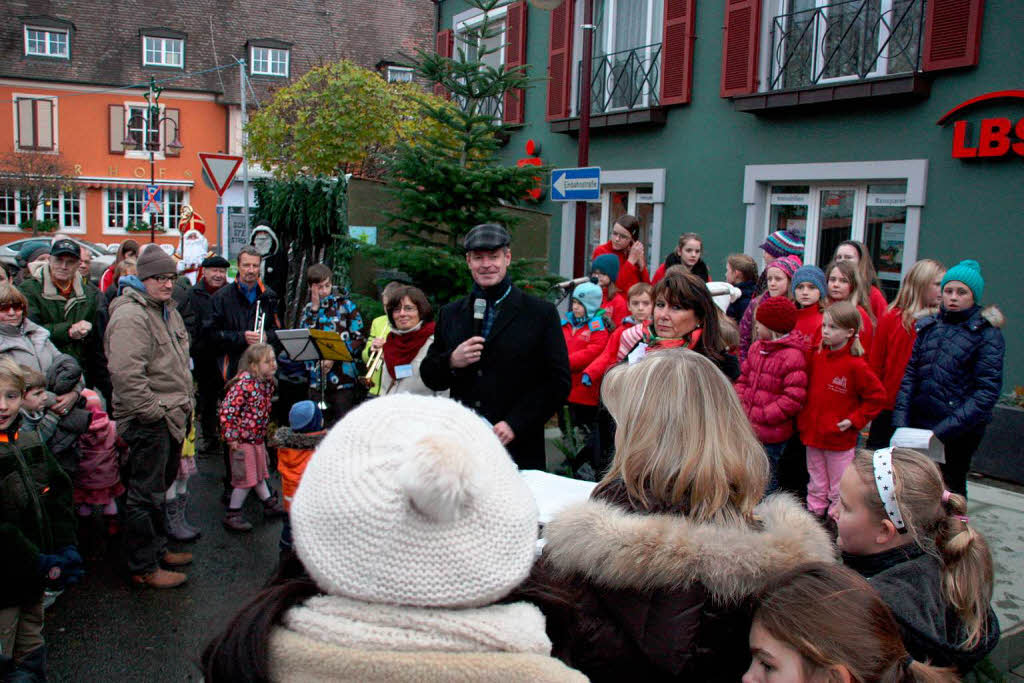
955	373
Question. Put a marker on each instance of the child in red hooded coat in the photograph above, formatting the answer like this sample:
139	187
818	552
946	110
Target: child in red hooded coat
97	479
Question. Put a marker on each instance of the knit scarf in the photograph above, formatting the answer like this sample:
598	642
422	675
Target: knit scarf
656	343
401	347
515	627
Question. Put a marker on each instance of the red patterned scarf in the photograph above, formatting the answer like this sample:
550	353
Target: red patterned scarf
400	349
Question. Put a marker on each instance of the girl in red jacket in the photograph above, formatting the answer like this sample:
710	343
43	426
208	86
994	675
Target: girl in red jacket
810	294
845	284
843	396
773	382
641	303
605	269
893	342
585	338
244	416
627	248
857	253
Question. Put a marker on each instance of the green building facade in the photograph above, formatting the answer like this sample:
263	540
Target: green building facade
835	154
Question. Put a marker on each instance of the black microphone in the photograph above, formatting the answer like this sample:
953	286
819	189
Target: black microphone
479	308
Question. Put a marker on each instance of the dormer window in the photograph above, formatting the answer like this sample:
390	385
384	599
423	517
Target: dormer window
47	41
163	51
268	57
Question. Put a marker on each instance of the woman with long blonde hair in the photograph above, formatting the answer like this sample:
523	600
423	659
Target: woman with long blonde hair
647	580
893	341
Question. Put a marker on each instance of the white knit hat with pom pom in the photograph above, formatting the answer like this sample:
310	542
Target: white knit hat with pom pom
412	500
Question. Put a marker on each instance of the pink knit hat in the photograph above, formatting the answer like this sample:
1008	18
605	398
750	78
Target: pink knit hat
787	264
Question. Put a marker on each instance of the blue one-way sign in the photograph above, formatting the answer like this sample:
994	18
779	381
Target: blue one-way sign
576	184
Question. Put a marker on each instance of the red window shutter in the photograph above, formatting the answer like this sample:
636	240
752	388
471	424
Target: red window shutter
560	66
445	44
677	52
952	34
739	47
515	56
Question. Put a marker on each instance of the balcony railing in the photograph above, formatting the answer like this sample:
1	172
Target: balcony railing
843	41
621	81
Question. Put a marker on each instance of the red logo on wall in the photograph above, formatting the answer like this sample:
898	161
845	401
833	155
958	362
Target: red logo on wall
533	159
996	136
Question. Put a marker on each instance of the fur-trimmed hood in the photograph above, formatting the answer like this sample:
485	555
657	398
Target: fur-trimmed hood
993	316
616	549
284	437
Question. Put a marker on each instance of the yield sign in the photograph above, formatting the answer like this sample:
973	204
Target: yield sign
220	168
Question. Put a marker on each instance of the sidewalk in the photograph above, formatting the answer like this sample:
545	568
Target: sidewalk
999	514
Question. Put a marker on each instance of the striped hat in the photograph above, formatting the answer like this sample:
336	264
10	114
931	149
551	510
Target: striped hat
783	243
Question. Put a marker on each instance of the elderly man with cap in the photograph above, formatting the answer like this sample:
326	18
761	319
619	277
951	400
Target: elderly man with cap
500	351
147	344
197	307
65	304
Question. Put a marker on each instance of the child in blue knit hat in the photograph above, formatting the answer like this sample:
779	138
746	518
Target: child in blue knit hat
955	373
295	445
585	337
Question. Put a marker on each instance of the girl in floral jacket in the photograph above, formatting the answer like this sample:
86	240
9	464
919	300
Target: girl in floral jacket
244	415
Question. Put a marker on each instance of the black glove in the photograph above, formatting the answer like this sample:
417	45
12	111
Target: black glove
72	570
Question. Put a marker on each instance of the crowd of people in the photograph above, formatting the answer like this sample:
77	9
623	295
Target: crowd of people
407	531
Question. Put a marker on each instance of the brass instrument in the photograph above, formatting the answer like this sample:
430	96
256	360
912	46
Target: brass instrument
261	320
376	357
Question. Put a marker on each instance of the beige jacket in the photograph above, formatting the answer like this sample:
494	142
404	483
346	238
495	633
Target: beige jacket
147	354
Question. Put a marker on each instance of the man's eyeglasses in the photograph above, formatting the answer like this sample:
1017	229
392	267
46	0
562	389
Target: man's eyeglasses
162	279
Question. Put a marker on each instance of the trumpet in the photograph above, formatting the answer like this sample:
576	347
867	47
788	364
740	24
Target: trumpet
375	360
261	320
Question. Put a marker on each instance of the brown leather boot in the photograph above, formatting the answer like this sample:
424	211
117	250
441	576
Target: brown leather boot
176	559
159	578
234	521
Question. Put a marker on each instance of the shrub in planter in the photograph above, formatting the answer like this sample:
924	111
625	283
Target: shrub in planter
1001	453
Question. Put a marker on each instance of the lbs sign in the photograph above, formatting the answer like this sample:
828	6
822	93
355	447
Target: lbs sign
996	137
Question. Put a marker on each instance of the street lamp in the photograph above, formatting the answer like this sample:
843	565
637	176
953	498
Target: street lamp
138	136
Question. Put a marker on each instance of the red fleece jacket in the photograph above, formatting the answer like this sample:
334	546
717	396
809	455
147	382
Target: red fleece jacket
808	324
616	307
890	353
629	274
842	387
584	344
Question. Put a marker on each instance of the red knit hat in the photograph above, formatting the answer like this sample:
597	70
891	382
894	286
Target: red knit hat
777	313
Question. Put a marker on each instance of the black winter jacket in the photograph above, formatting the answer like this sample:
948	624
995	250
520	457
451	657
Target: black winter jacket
739	307
955	373
199	307
231	316
910	582
522	376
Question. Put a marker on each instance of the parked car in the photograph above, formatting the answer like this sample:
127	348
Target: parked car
102	256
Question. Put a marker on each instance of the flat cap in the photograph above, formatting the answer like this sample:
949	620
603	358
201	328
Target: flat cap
486	237
65	246
215	261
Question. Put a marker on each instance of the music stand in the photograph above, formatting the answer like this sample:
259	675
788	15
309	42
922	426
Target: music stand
315	345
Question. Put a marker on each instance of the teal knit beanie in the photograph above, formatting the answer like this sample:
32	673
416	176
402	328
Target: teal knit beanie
590	296
607	264
968	272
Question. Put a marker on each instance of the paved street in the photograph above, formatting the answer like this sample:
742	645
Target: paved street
106	630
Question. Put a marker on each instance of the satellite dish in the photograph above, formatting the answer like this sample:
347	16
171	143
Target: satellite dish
546	5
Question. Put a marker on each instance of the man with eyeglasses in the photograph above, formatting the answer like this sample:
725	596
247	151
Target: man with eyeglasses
148	350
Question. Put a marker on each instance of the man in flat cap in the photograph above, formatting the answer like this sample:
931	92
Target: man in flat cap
500	351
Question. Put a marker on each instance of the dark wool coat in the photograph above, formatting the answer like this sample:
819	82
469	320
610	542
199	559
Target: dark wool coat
522	376
910	582
231	316
955	373
655	597
35	514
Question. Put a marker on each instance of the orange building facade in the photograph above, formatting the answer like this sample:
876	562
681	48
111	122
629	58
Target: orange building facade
88	126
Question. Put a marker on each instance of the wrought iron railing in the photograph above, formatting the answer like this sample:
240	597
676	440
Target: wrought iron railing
624	80
848	40
489	106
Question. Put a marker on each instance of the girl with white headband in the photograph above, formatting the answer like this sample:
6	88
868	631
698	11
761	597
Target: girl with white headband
912	540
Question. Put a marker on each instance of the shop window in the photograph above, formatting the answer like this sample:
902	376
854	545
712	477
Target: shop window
36	123
47	42
126	207
794	44
268	61
63	208
159	51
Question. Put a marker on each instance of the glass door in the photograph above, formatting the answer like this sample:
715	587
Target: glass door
835	220
636	200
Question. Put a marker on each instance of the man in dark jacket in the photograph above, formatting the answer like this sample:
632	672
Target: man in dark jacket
510	366
196	307
231	325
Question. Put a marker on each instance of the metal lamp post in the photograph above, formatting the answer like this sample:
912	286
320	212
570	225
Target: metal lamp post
144	123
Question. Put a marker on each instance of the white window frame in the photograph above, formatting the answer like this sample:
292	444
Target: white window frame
758	180
55	101
48	31
163	45
474	17
395	71
270	61
158	153
79	230
171	231
617	180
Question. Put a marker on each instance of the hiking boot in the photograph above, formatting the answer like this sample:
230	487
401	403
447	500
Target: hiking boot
159	578
234	521
176	559
174	514
272	507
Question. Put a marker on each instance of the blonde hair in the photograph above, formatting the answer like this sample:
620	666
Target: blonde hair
744	265
33	378
914	290
730	331
860	293
941	529
682	438
846	316
11	373
252	355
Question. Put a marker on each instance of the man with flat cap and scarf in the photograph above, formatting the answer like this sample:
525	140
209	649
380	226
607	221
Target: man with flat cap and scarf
501	352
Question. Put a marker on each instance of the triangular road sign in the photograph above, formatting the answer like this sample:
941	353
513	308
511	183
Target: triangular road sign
221	168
